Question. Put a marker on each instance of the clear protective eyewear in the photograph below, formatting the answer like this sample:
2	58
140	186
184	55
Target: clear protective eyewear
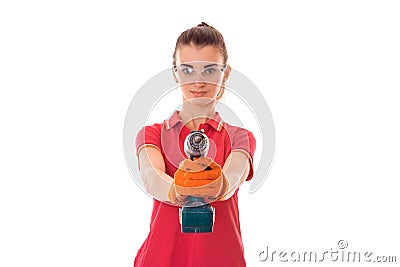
200	71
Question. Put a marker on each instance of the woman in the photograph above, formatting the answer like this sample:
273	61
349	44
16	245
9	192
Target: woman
200	68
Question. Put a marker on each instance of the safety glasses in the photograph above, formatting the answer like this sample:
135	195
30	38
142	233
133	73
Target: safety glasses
200	71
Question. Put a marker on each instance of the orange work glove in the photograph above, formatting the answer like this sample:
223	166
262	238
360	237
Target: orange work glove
201	177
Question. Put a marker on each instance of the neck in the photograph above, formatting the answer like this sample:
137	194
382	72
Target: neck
193	115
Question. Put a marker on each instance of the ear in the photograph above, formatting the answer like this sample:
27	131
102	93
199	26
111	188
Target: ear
227	73
173	74
226	76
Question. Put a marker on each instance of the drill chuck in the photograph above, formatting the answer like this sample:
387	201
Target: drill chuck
196	144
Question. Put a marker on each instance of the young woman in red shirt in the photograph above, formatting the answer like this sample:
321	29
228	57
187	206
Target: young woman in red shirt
200	52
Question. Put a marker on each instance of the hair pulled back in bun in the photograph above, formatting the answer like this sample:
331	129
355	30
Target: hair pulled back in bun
202	35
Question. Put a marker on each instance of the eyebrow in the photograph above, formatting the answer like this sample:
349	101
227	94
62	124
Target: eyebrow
187	65
209	65
206	66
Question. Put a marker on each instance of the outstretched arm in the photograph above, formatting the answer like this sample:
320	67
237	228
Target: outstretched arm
236	169
152	170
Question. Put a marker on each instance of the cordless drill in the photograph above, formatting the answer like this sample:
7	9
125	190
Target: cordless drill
196	216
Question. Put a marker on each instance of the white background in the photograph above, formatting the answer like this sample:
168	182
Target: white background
329	71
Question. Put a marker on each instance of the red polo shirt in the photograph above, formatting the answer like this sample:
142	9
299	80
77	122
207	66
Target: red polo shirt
166	245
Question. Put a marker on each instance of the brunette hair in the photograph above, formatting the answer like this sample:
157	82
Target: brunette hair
200	36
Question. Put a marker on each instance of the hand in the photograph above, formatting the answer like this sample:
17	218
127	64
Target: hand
201	177
176	198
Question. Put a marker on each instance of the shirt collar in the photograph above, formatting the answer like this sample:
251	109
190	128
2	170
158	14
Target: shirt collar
216	122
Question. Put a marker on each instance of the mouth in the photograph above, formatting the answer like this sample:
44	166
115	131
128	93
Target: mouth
198	93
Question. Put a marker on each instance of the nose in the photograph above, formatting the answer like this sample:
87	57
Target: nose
199	84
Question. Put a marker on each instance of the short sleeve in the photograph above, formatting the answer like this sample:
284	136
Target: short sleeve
149	136
244	140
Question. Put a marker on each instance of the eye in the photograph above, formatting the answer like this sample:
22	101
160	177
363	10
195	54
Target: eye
187	70
210	70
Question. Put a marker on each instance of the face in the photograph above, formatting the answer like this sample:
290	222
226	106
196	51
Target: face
206	63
